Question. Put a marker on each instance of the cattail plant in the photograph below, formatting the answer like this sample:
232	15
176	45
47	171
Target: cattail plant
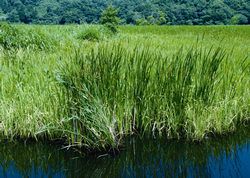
117	92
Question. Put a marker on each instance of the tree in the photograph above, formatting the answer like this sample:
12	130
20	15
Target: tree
2	16
129	17
21	13
161	19
142	21
151	20
1	12
13	16
234	20
239	19
6	7
242	19
34	15
109	19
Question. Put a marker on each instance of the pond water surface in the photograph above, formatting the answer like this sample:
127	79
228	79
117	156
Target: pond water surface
227	156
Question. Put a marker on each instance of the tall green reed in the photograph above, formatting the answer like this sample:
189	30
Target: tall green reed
29	97
116	91
21	37
128	84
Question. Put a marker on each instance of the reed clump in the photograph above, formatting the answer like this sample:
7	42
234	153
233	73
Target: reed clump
115	92
18	37
140	81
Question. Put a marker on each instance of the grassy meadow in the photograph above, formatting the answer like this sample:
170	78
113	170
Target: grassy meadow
81	83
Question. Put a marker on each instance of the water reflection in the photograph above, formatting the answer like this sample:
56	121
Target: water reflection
227	156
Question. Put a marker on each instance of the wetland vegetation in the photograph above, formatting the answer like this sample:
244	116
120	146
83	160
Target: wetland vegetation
94	89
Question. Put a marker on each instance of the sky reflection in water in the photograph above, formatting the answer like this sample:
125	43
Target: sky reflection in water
227	156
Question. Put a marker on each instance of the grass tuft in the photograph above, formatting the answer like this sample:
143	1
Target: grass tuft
148	81
18	37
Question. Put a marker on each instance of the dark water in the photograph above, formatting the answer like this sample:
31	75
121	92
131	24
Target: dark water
227	156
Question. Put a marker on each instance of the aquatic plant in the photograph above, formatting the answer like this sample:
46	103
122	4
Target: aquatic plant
140	81
114	92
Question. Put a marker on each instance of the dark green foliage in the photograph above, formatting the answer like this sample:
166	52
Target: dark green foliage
242	19
238	19
109	19
202	12
92	33
21	13
13	16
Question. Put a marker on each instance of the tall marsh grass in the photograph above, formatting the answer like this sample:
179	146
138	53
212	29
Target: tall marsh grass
115	92
181	82
20	37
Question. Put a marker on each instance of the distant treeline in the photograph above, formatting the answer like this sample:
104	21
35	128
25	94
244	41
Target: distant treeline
140	12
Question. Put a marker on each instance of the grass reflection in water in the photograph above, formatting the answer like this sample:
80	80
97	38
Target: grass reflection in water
145	157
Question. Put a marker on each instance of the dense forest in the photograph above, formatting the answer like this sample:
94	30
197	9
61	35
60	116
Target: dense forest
140	12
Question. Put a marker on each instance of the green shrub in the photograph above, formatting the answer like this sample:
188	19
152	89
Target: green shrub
90	34
93	33
109	19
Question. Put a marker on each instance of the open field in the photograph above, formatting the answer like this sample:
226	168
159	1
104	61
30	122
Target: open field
179	81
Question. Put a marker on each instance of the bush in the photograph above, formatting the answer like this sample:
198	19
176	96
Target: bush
109	19
93	33
90	34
